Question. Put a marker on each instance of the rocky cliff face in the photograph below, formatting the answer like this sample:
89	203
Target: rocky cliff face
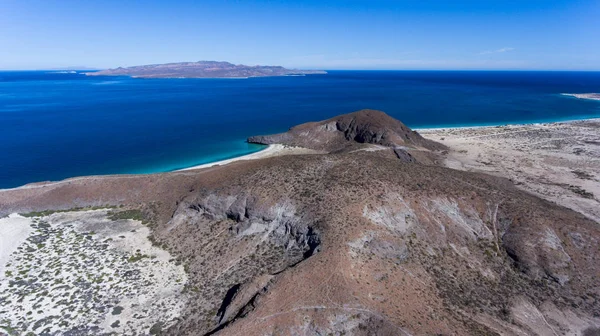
359	242
252	239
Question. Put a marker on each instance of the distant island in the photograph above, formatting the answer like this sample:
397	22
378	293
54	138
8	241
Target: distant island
203	69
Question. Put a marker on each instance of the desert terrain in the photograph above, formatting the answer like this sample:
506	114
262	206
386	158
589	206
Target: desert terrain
86	271
559	162
373	234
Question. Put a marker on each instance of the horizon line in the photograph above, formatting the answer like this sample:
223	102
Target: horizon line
342	69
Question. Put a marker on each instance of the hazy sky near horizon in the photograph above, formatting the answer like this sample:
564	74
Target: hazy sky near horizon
343	34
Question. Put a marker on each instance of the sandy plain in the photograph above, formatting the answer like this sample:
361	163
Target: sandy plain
559	162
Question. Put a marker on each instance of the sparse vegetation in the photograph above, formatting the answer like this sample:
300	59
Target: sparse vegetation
70	265
156	328
133	214
583	175
44	213
582	192
137	257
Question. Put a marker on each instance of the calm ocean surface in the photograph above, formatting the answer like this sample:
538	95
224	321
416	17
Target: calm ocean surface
58	125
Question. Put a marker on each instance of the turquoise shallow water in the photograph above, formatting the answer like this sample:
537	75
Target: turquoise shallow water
58	125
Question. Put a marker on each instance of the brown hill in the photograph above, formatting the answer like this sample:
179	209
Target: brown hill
364	126
358	243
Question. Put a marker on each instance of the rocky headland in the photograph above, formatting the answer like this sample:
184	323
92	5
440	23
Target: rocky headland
370	234
362	130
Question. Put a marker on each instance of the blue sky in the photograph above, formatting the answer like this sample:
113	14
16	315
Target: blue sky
344	34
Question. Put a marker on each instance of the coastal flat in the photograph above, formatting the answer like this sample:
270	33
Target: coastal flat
559	162
86	271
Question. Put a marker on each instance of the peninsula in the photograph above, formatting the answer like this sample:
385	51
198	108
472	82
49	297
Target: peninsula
203	69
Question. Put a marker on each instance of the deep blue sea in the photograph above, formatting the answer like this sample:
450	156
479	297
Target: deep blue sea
56	125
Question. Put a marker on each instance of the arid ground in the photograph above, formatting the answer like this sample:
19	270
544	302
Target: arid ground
559	162
489	231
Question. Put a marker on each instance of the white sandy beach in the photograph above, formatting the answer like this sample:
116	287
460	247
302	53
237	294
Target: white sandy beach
591	96
270	151
426	130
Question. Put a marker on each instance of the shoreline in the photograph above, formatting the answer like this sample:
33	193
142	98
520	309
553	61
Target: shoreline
269	151
278	150
533	123
588	96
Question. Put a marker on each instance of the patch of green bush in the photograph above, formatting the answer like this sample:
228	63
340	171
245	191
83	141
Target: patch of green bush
134	214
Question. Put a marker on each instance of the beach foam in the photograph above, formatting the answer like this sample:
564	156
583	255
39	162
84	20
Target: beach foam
107	83
591	96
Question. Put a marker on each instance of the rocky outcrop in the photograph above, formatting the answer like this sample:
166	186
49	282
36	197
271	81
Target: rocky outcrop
256	241
404	155
365	127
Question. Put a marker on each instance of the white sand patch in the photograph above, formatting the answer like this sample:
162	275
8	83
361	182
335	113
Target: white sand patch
14	229
270	151
81	272
559	162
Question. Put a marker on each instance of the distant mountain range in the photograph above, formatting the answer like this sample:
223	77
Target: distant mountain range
202	69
